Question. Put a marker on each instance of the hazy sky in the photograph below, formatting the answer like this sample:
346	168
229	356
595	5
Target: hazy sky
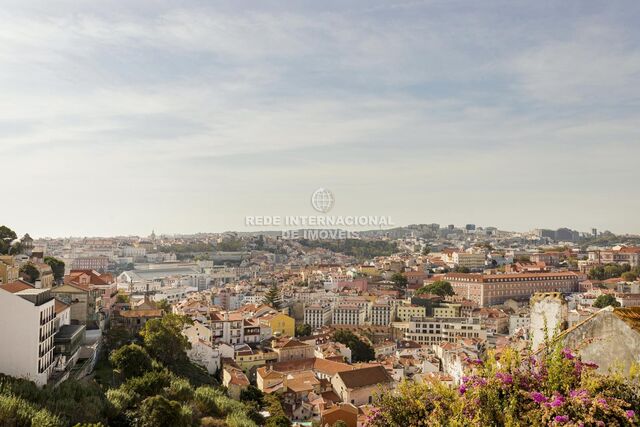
118	117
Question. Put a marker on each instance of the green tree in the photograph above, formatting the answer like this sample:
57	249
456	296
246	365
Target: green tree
439	287
7	236
303	330
606	300
163	339
158	411
400	283
252	394
278	421
459	269
164	306
272	297
131	360
122	298
426	250
31	272
57	266
629	276
361	351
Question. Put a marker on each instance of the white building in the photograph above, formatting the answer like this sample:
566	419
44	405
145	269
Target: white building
26	332
348	314
317	315
382	314
431	330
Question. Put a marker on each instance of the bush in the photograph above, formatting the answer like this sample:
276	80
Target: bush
131	360
553	388
239	419
15	411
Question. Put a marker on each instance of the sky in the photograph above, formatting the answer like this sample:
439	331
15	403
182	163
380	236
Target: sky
187	116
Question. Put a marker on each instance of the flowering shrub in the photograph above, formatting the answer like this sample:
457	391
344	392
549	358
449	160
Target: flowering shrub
551	389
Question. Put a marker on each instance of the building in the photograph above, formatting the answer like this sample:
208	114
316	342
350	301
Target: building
447	309
133	318
619	255
472	261
345	412
359	386
26	330
317	315
9	269
406	312
280	324
348	314
291	349
382	314
84	302
430	330
492	289
98	263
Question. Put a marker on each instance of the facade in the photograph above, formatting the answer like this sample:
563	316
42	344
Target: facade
382	314
26	330
359	386
348	314
472	261
317	315
99	263
430	330
9	269
490	289
406	312
549	315
622	255
447	309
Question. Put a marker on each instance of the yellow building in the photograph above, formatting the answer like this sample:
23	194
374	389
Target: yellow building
280	324
247	359
369	270
9	270
406	312
446	309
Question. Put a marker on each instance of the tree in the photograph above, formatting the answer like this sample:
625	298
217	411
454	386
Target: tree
57	266
29	270
361	351
272	297
163	339
606	300
252	394
116	337
7	236
303	330
278	421
122	298
158	411
131	360
459	269
629	276
164	306
426	250
439	287
400	282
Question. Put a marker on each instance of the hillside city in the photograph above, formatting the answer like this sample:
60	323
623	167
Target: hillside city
250	328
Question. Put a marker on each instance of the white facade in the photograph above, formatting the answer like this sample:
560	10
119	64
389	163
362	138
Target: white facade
317	315
348	315
382	314
431	330
26	332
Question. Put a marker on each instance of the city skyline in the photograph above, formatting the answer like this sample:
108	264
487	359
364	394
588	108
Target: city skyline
186	117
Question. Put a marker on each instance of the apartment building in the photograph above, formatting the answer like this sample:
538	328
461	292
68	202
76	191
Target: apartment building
472	261
406	312
447	310
317	315
26	330
490	289
98	263
382	314
348	314
619	255
431	330
9	269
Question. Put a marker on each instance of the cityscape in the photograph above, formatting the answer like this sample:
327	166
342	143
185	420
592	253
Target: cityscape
362	213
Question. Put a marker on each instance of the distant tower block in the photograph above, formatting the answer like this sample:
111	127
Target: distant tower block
548	311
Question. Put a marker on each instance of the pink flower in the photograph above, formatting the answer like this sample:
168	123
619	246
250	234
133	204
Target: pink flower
557	401
630	413
591	365
462	389
561	419
567	354
538	397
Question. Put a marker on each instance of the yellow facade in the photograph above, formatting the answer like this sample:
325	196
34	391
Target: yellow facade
283	324
247	361
406	312
9	271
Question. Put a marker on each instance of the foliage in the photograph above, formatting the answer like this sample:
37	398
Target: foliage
360	350
629	276
15	411
158	411
400	283
122	298
30	270
7	235
439	287
252	394
274	407
459	269
606	300
57	266
358	248
272	297
116	337
608	271
163	339
303	330
230	244
131	360
164	306
278	421
552	388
